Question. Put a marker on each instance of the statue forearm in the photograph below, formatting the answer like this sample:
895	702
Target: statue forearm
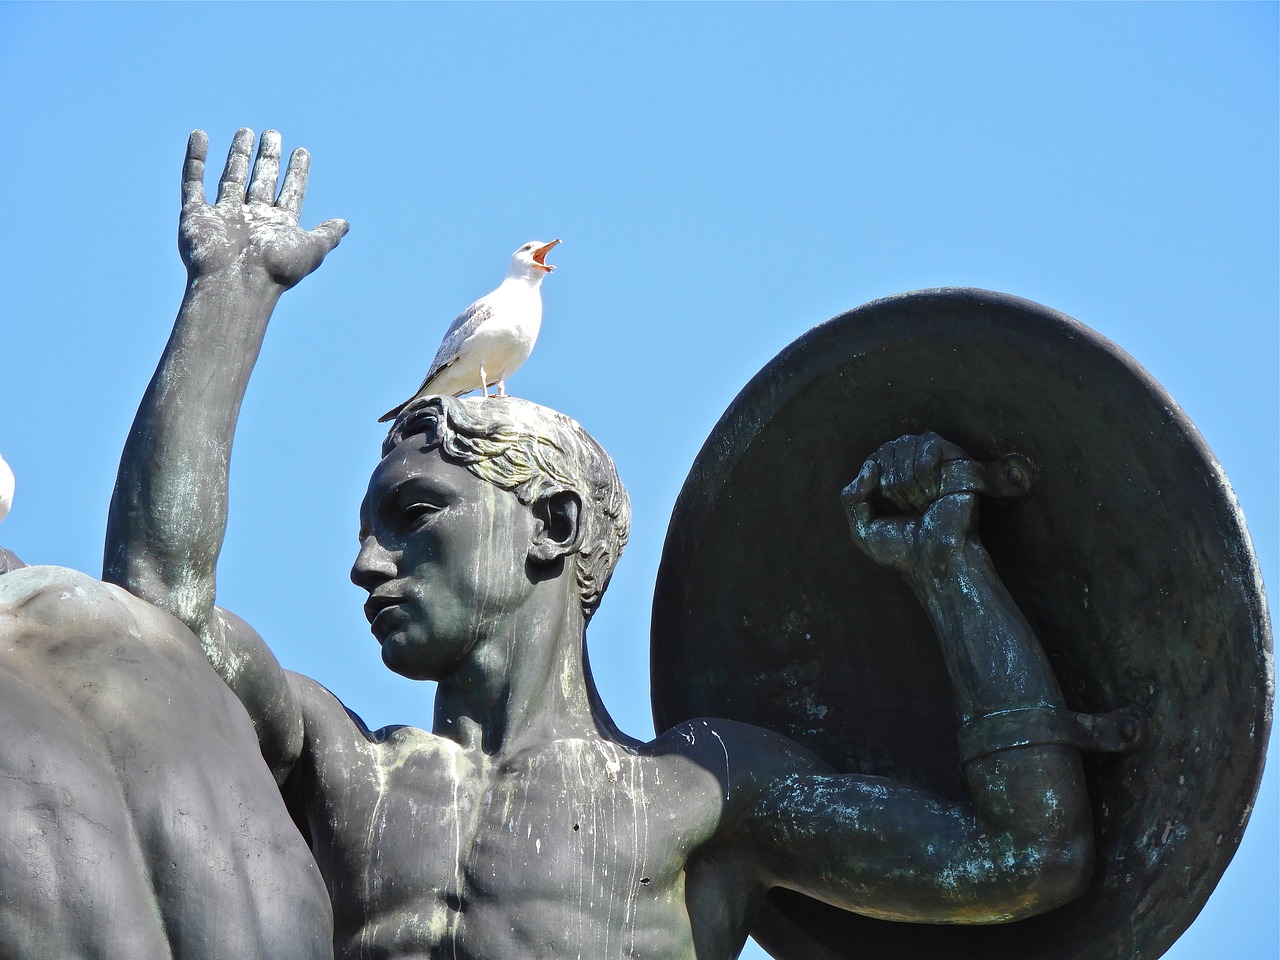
1028	795
1034	792
1021	845
992	655
169	509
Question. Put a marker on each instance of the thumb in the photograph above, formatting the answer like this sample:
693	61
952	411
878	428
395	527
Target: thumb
331	232
862	486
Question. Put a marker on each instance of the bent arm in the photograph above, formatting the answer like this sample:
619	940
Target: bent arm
169	508
1022	845
1024	842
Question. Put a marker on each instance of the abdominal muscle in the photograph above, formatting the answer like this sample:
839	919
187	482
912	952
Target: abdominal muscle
434	851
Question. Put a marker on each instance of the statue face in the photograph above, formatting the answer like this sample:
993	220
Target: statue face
444	556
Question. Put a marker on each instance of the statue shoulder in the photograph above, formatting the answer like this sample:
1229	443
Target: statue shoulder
107	657
62	612
338	740
743	760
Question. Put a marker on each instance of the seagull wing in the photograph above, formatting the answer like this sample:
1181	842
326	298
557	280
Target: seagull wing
464	325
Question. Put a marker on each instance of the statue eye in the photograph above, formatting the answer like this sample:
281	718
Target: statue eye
418	513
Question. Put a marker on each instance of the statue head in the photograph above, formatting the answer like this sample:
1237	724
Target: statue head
535	453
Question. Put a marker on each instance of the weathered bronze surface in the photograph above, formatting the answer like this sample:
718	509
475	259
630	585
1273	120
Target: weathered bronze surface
246	812
1127	554
523	824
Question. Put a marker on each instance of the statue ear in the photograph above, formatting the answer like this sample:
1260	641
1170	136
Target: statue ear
559	532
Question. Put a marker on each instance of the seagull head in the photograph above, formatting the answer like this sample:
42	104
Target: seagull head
530	261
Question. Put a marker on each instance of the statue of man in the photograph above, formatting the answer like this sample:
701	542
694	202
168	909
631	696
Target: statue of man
525	824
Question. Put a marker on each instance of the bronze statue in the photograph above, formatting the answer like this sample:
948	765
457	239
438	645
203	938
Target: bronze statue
524	824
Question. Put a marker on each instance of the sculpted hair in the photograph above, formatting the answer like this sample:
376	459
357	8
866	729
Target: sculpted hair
533	452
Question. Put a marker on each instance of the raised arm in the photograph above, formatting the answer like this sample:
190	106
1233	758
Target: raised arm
169	509
1024	844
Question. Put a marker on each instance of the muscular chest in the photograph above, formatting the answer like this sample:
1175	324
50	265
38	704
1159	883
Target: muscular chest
578	821
570	848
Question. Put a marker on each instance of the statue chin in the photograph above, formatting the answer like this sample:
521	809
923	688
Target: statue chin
398	654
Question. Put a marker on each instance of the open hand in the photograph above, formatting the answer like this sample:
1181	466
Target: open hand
922	526
248	230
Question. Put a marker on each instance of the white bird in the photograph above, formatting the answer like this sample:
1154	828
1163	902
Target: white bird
489	340
6	488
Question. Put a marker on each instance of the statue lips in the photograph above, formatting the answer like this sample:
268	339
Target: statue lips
374	608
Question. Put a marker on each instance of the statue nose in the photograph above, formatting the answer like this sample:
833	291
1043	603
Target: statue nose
373	564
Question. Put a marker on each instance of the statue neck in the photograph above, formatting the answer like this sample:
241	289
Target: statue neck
525	684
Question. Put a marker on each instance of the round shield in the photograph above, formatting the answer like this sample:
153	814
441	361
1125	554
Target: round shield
1128	556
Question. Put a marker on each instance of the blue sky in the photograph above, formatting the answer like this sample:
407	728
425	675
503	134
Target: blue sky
724	177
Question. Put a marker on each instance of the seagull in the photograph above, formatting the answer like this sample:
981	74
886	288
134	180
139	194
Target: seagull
489	340
6	488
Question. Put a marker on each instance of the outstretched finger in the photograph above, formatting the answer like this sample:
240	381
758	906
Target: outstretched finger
331	233
236	172
266	168
193	168
295	183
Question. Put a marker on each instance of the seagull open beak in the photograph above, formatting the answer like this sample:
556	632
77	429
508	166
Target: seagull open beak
540	256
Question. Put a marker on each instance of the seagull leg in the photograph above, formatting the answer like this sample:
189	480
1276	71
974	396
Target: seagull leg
484	383
502	388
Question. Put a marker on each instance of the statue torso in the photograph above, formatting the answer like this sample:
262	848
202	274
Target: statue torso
578	848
